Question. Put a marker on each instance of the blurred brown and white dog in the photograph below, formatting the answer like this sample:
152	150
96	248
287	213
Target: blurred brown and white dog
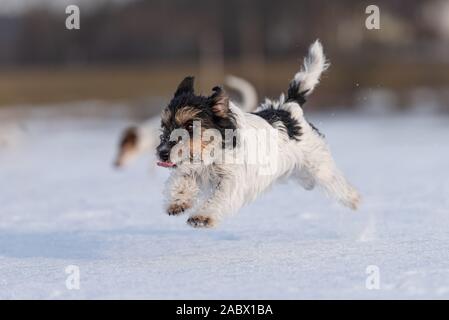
141	139
219	176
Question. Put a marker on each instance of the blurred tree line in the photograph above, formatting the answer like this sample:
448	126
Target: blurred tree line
133	48
180	30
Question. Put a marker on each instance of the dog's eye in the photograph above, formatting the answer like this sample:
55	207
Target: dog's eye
189	127
163	137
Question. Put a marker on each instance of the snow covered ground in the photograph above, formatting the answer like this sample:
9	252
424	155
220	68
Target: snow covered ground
62	203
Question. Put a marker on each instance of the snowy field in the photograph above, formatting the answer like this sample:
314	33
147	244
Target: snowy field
62	203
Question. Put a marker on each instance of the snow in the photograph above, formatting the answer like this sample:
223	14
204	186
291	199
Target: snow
62	203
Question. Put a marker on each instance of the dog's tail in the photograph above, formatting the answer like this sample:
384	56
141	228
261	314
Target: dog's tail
246	90
308	77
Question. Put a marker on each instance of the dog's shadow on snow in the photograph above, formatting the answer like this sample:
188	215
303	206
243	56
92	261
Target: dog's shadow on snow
176	233
67	245
86	245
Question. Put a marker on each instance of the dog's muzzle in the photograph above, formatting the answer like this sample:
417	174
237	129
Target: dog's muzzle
163	152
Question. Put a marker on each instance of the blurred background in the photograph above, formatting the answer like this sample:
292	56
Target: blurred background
129	54
66	97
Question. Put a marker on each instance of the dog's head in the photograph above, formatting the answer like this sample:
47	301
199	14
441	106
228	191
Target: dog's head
187	109
128	146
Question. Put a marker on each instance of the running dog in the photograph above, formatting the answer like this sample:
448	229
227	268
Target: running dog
213	189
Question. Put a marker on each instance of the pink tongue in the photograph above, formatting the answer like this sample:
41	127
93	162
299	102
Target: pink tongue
165	164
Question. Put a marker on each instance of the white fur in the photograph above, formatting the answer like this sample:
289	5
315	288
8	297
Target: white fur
230	186
246	90
314	65
149	132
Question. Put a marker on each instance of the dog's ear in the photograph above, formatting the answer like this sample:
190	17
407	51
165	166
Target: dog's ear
219	102
186	86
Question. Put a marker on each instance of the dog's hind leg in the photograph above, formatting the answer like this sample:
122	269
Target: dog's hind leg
305	179
336	185
323	172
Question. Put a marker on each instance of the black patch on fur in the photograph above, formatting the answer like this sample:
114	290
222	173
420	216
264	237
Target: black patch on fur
271	115
293	94
185	97
185	86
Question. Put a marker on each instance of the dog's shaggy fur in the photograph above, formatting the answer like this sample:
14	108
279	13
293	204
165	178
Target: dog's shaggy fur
301	151
143	138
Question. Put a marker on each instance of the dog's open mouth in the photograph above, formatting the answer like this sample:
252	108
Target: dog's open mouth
166	164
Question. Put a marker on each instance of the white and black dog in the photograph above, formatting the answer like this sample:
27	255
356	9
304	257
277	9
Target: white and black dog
143	138
300	150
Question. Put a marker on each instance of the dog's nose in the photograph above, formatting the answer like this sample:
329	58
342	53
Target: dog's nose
164	154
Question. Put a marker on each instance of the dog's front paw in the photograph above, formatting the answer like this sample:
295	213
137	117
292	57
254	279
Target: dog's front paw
200	221
177	208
